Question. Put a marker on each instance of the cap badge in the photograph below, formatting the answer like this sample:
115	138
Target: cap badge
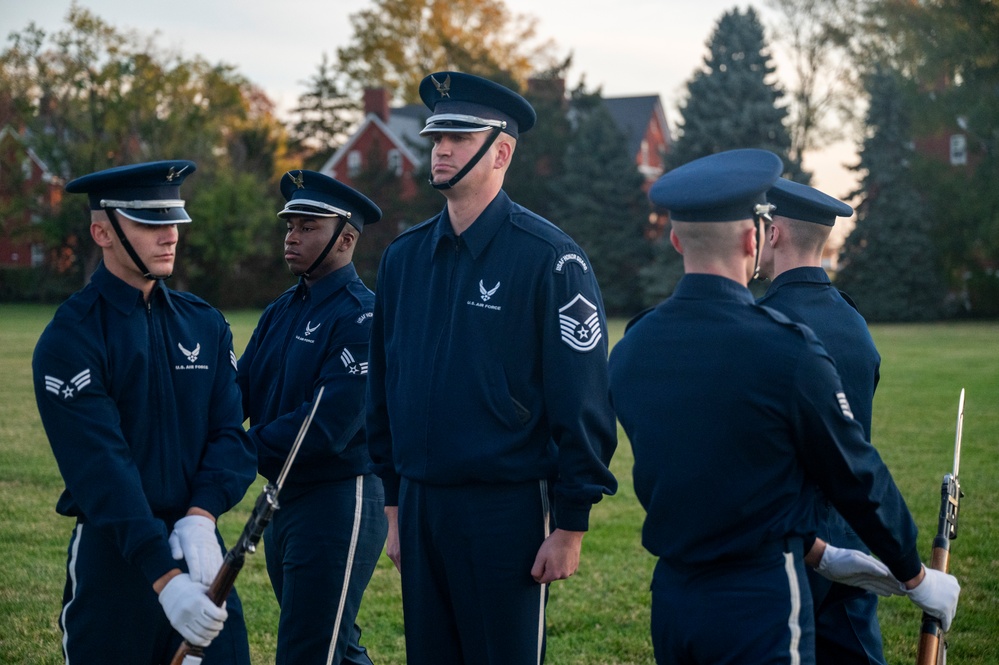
174	173
299	181
443	88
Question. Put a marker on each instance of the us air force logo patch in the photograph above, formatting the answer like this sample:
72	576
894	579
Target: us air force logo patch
844	405
579	321
351	364
191	356
67	390
485	293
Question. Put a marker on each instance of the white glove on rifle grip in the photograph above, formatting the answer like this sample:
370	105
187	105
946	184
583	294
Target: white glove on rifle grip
937	595
190	611
193	539
855	568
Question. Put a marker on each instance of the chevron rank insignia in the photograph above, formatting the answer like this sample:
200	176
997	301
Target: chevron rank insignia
579	322
67	390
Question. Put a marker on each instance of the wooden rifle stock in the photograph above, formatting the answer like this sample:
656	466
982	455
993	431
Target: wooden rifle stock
932	646
263	511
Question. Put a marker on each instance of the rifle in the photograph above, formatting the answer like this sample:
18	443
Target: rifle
932	645
263	511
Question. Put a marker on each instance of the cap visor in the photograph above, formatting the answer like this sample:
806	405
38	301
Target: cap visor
155	215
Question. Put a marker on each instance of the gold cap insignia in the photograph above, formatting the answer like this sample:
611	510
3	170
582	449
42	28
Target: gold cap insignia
443	88
174	173
299	181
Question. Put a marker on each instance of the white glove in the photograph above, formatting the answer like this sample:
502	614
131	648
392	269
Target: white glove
937	596
193	538
855	568
190	611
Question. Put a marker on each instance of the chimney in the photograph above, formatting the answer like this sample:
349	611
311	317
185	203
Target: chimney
548	87
376	100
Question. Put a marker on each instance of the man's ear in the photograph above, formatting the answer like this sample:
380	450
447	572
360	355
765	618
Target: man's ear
773	236
504	153
347	240
675	241
102	234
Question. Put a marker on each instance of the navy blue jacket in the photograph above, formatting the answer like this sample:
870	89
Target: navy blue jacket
489	361
310	337
735	414
140	404
807	296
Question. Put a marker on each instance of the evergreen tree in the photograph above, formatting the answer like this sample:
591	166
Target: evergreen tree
889	263
601	204
734	102
541	151
322	117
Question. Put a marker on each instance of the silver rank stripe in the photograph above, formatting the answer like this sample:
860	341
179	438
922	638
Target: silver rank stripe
54	385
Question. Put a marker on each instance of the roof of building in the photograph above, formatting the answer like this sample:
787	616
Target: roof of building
631	115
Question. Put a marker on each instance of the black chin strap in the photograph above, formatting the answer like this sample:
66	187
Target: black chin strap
113	218
493	133
322	254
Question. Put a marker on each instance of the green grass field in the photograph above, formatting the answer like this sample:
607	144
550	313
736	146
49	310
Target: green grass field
600	616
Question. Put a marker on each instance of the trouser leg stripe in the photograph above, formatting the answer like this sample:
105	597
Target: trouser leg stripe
546	510
74	553
355	531
793	619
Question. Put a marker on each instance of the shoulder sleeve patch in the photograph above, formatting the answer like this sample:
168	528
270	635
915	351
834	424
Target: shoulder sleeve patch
579	323
844	405
570	258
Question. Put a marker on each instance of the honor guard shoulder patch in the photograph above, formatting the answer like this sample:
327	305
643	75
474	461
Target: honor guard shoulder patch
579	322
571	257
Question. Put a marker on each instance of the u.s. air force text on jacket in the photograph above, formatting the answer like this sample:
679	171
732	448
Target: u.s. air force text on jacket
734	412
488	361
307	338
141	407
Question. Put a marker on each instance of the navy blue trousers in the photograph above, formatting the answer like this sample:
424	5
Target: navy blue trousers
321	548
757	611
847	631
468	597
112	615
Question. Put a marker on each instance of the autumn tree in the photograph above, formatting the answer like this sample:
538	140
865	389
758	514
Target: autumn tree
396	43
818	38
91	96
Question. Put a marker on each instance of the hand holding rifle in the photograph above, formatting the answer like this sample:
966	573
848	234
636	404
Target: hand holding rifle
192	653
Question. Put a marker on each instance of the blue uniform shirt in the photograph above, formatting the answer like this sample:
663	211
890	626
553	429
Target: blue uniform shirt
140	404
734	414
807	296
489	361
310	337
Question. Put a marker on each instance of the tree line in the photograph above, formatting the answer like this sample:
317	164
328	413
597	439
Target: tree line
883	72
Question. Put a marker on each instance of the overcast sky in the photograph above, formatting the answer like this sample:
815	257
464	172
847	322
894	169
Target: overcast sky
636	47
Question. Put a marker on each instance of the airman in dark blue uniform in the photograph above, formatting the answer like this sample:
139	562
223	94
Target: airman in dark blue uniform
324	542
846	618
488	416
136	388
735	415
